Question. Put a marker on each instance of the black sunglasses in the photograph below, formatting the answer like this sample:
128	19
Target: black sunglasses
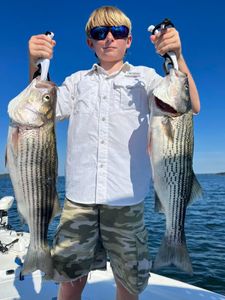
100	32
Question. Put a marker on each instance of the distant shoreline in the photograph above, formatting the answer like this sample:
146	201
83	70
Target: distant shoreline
5	175
219	173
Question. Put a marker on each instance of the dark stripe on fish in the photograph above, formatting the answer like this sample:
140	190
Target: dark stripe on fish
179	168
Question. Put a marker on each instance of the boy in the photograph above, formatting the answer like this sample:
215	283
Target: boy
107	168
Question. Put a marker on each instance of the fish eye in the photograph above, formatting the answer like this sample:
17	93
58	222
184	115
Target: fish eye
46	98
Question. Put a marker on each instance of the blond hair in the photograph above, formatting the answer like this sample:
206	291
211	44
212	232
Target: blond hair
107	16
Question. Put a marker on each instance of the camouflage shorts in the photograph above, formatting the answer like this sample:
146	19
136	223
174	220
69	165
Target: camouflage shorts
87	234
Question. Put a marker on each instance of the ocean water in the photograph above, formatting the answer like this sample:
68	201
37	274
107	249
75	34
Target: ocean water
204	227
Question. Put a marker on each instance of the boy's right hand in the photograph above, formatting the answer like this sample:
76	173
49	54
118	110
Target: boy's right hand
40	46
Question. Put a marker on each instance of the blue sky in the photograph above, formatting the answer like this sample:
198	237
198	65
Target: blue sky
201	28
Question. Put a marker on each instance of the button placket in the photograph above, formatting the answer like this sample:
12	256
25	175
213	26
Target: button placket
102	145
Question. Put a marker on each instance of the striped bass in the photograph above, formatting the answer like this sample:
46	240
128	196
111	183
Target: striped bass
32	163
171	154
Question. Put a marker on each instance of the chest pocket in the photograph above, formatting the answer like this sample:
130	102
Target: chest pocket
131	95
86	96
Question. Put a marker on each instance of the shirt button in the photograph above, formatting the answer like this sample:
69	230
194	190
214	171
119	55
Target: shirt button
101	166
104	97
102	142
103	119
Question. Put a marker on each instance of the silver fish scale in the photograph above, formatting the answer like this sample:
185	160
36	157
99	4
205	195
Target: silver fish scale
179	175
37	166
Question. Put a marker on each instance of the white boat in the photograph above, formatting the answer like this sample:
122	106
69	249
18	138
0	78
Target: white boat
100	286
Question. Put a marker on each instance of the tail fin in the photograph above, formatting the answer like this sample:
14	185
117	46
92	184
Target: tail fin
38	259
173	254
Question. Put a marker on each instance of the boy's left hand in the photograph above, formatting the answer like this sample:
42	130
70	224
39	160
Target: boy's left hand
167	40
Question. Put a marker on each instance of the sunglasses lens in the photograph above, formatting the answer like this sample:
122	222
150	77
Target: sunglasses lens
119	32
100	32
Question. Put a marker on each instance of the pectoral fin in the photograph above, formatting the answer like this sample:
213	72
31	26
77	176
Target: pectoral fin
196	191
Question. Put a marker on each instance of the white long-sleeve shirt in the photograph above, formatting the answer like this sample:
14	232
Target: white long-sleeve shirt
107	160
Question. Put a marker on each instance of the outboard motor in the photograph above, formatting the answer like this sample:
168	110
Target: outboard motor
5	204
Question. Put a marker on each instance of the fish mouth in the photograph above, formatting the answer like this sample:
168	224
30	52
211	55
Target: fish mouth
45	84
165	107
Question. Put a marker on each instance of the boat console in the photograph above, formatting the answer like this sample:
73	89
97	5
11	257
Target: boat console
5	204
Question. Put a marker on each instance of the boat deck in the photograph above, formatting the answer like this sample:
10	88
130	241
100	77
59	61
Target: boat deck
100	286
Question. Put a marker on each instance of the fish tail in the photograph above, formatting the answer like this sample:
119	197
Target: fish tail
38	259
173	254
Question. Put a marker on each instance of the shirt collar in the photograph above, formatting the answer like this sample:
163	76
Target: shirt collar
126	67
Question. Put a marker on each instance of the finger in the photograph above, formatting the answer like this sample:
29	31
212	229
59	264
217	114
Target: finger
39	49
168	47
168	33
153	38
39	54
174	41
37	41
156	36
48	39
43	37
163	38
40	46
167	41
42	40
